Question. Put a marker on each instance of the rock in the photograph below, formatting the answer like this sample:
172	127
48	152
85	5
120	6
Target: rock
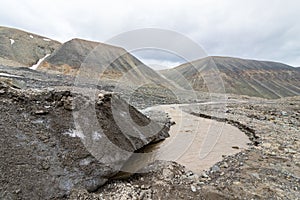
215	169
267	145
100	103
142	194
193	188
58	156
144	187
45	165
204	175
189	173
101	96
194	177
289	150
224	165
209	192
41	112
256	175
236	183
68	103
167	174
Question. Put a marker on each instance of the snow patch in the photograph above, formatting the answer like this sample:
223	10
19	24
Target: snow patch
34	67
30	36
11	41
96	136
10	75
46	39
38	121
74	133
85	161
123	114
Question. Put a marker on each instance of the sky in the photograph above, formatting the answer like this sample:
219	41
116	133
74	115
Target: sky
254	29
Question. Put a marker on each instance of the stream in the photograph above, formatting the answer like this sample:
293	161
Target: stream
196	143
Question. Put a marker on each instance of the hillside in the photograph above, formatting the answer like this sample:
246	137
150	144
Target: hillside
20	48
99	60
240	76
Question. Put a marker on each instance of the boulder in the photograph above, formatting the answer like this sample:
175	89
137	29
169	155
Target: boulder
55	140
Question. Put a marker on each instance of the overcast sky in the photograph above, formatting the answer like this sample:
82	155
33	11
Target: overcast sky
258	29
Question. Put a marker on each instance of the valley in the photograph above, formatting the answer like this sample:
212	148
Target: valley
88	120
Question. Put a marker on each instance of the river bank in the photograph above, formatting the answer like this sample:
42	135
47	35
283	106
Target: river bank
269	169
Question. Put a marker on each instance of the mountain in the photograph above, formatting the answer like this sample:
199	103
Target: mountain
20	48
240	76
99	60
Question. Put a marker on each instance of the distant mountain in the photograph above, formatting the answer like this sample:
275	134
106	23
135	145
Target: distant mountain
240	76
20	48
78	57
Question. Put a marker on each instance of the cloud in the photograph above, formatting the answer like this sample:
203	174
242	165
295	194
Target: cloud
159	59
267	30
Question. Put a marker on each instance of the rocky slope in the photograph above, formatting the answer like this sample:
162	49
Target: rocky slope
140	97
20	48
46	151
244	77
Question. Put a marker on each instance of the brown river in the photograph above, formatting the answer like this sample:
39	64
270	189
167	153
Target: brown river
195	142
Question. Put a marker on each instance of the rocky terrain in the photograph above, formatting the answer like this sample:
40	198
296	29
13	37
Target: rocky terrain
46	151
73	137
269	169
35	148
240	76
34	145
23	49
139	96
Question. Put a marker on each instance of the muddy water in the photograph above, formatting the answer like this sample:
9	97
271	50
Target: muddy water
194	142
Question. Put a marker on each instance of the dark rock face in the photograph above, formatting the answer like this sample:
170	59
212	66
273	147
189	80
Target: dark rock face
43	155
21	77
19	48
239	76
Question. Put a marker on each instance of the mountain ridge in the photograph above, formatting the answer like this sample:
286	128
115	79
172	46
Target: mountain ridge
23	49
265	79
99	60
